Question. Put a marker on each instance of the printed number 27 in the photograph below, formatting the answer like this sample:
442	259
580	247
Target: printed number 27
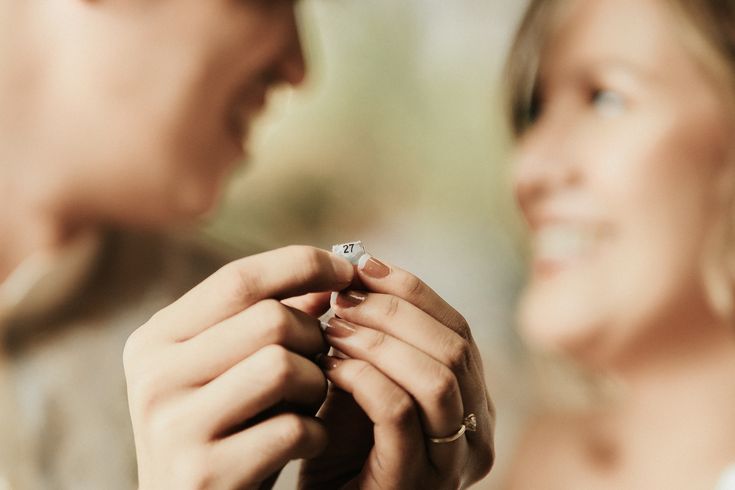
349	248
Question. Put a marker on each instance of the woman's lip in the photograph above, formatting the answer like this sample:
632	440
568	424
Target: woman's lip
547	268
540	222
572	213
559	245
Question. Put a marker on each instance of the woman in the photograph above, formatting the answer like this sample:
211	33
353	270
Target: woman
624	115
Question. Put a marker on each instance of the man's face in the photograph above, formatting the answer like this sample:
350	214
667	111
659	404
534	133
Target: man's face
147	103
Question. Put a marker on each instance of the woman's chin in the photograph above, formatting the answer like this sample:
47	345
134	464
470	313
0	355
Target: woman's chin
560	333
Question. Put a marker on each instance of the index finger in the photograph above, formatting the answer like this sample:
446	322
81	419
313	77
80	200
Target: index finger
380	277
278	274
313	304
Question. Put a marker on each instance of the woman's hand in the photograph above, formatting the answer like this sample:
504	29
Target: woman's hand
220	385
414	373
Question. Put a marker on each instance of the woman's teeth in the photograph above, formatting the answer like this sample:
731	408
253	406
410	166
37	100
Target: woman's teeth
562	242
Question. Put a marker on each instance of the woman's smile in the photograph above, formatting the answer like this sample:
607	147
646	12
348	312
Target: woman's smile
561	244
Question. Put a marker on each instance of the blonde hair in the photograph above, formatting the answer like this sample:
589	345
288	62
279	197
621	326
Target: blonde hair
708	30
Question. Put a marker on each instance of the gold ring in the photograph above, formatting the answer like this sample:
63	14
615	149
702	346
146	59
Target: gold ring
468	424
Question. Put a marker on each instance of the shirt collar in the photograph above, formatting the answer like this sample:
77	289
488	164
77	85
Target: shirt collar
47	279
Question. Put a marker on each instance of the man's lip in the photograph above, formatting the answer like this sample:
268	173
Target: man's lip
248	104
241	115
236	126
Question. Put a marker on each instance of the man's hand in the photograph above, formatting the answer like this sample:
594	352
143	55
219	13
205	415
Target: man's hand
210	376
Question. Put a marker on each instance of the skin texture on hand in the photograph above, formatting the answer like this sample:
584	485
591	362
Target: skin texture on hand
226	371
413	372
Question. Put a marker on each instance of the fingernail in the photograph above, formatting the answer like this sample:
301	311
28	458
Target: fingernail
373	267
328	362
339	328
348	299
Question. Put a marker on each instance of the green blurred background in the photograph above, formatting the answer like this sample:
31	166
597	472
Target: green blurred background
398	139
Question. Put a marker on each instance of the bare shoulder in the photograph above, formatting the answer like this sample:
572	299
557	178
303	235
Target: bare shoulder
546	452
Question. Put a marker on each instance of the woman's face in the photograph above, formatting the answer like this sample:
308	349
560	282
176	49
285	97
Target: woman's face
620	180
145	104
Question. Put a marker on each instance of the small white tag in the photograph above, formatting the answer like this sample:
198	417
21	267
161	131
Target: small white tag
352	251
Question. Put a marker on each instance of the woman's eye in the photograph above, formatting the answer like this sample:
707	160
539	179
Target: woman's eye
608	103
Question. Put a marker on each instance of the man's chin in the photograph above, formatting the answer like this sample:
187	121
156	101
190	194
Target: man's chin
195	202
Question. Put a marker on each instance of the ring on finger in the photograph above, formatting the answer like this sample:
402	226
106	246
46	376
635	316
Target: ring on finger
468	424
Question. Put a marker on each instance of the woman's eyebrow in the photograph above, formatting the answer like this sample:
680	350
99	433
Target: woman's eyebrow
625	67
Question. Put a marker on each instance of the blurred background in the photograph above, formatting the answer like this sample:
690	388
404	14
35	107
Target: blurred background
398	139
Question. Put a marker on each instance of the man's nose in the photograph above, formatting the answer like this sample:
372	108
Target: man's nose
292	65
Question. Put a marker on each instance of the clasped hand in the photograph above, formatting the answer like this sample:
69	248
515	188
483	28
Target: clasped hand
223	384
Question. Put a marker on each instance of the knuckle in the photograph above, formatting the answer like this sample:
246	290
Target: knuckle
485	458
279	364
392	306
443	388
293	431
458	356
297	250
276	355
155	319
146	393
460	325
413	286
400	410
163	424
277	320
375	341
310	259
236	284
194	471
451	482
362	370
131	352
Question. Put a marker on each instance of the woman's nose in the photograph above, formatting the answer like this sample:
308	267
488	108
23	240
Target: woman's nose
543	164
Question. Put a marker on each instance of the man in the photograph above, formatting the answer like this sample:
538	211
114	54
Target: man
122	116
